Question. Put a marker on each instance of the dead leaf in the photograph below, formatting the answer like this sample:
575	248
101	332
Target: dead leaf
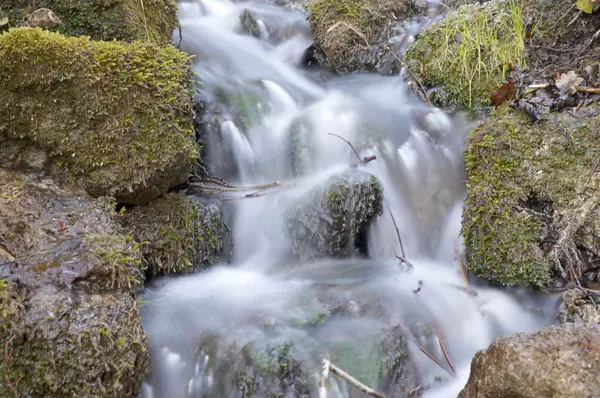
568	82
506	92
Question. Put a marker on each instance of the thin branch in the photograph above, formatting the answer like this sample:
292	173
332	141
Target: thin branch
430	357
351	146
412	75
441	342
7	357
224	187
329	367
588	89
403	256
463	270
230	234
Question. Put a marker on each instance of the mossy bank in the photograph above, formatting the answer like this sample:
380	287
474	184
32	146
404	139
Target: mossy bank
116	118
532	210
126	20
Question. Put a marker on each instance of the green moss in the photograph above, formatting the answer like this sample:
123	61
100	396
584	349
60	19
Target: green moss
526	187
178	234
115	117
470	51
127	20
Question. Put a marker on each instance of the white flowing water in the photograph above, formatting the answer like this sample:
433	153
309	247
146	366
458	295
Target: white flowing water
264	297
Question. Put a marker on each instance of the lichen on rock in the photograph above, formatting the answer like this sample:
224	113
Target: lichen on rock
531	212
68	275
469	53
345	31
177	233
126	20
115	117
333	218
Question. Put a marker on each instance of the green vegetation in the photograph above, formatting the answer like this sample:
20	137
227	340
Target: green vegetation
532	196
470	52
114	117
127	20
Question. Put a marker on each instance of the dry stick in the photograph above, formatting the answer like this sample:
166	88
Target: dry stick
413	76
7	356
441	342
465	272
430	357
351	146
588	90
230	188
328	366
403	257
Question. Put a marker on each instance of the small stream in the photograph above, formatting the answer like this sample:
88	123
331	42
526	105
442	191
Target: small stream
275	125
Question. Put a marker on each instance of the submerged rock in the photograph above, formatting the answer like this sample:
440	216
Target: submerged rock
532	208
345	33
179	233
128	20
333	219
114	117
67	307
561	361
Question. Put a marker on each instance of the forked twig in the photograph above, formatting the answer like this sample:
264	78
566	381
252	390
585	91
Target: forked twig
430	356
403	256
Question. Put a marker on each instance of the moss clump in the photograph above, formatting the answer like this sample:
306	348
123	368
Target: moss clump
344	30
533	197
470	51
177	233
115	117
127	20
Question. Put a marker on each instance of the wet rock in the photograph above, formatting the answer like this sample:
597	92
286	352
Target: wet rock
67	304
179	234
577	307
251	25
532	210
128	20
333	219
349	34
561	361
115	118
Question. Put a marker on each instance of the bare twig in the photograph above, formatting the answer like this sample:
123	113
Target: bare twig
412	75
368	159
403	256
438	332
463	270
224	187
7	355
351	146
329	367
430	357
588	89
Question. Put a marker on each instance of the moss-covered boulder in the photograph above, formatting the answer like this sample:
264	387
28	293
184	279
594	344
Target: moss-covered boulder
178	233
69	318
127	20
561	361
115	117
469	53
345	32
533	203
333	218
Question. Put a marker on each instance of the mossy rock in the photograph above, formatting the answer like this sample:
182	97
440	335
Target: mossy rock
469	52
126	20
346	32
178	234
533	205
67	304
114	117
333	218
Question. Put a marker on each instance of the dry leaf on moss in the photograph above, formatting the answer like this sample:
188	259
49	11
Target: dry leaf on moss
568	82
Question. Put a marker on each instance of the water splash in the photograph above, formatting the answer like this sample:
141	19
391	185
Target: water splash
263	297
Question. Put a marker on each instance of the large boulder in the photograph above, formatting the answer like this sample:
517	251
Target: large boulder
348	34
68	277
333	218
561	362
178	233
127	20
532	212
114	117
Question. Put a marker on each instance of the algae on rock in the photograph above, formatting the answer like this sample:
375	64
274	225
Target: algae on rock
345	31
470	51
177	233
533	201
67	305
126	20
115	117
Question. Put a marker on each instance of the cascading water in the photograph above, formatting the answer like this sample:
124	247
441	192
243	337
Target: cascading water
266	298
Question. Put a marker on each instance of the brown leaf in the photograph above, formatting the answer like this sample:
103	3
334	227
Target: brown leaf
506	92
